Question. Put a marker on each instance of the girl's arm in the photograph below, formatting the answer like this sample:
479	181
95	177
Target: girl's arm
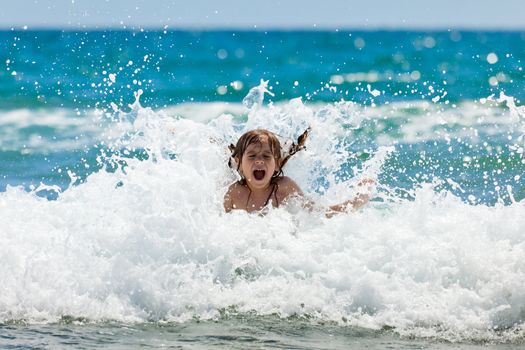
228	203
290	189
354	203
229	198
358	201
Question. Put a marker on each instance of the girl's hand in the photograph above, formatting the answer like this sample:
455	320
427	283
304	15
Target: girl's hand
366	182
365	188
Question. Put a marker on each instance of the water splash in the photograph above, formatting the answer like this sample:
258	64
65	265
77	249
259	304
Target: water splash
255	96
149	240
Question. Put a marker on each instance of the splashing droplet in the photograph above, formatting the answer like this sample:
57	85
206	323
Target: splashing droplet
255	96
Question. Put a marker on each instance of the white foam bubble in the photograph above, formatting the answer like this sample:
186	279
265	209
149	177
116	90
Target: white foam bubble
492	58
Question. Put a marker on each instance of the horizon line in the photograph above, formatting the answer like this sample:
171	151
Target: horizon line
255	28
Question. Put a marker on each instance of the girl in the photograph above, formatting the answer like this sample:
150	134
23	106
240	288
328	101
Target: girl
259	161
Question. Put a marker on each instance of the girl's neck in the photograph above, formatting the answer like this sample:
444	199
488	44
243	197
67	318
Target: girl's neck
259	190
259	198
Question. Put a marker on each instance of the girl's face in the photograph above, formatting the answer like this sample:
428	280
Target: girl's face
258	165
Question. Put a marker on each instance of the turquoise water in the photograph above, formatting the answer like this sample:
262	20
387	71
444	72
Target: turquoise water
68	76
113	166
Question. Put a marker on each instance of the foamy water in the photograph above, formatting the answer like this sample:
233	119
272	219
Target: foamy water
48	130
151	242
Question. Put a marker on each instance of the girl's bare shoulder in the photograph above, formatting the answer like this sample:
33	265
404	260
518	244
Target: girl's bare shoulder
235	194
288	187
235	185
235	189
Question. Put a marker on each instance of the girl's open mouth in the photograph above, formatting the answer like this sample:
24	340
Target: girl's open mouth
259	174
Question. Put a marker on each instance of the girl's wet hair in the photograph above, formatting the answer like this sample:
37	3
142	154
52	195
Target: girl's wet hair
261	135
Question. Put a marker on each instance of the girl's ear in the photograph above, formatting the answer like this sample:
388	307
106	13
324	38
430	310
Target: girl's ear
277	171
278	164
235	163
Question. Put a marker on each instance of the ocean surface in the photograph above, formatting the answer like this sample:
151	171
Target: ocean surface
113	167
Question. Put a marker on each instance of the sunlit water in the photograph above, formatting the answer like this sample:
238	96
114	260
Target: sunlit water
112	228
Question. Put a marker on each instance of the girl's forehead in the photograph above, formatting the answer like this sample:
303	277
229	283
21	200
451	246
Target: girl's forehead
259	146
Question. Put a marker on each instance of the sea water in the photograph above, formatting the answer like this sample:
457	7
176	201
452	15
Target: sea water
114	163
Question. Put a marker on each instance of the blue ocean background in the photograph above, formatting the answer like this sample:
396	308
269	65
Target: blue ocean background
68	72
113	164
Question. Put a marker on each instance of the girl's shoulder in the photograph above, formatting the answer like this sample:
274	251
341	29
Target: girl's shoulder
236	193
236	187
284	180
288	186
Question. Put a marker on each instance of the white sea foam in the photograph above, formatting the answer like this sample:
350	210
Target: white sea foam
48	130
152	242
400	122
